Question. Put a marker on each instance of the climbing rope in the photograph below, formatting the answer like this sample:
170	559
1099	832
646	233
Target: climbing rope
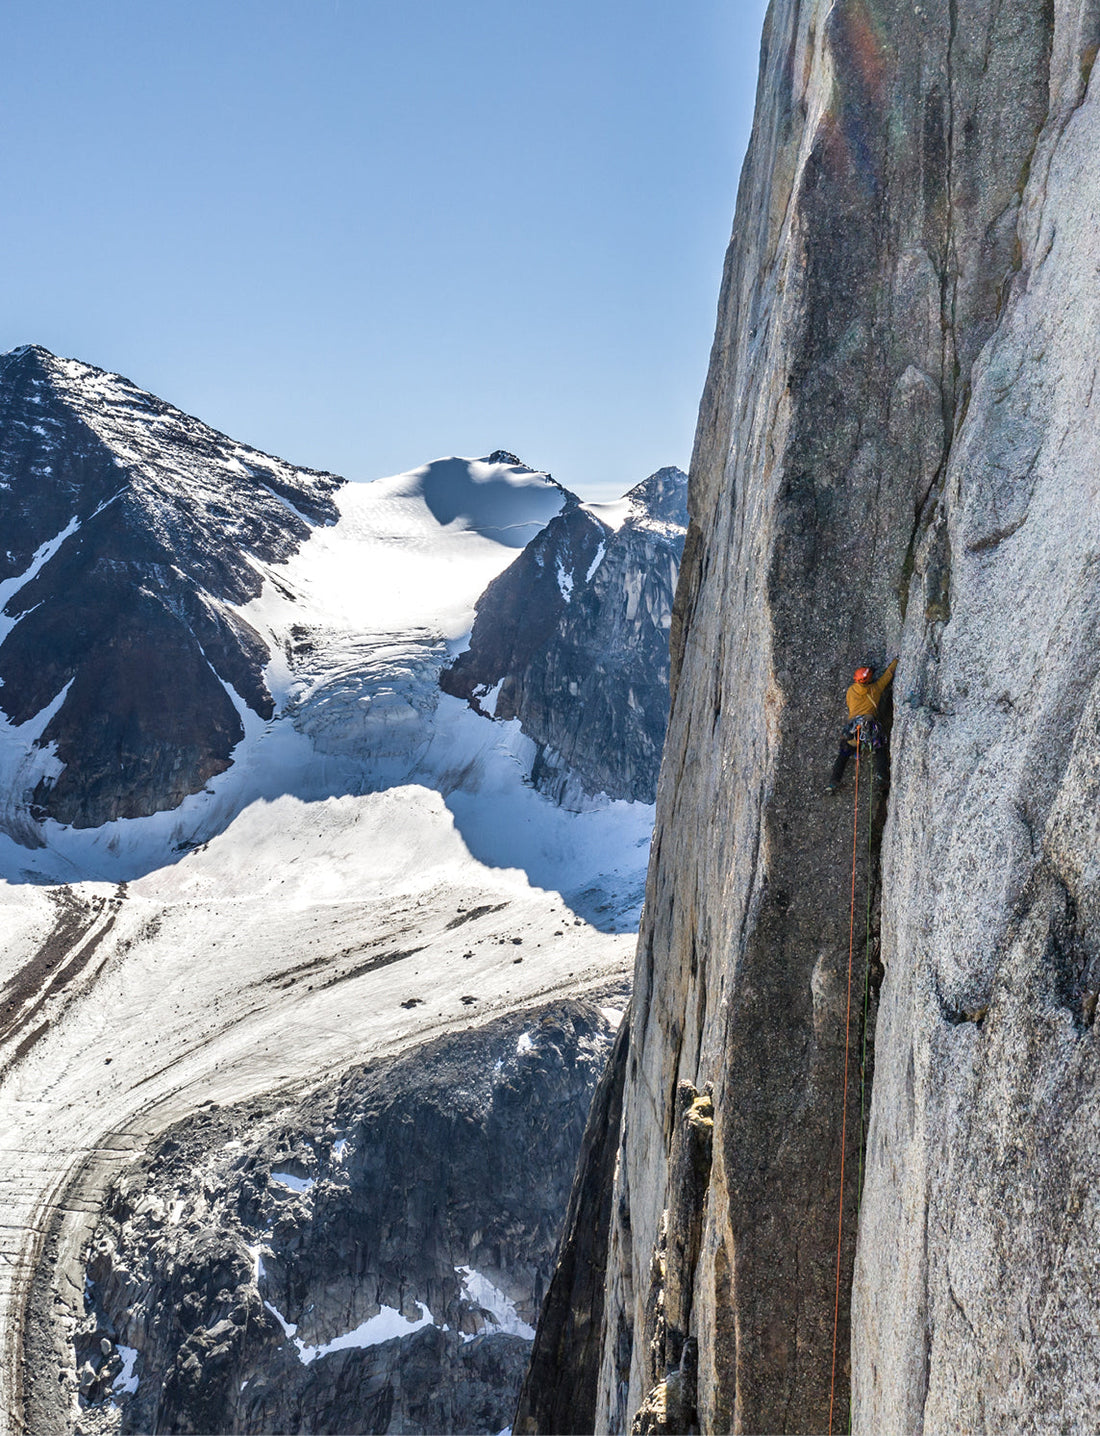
866	1015
866	1003
844	1115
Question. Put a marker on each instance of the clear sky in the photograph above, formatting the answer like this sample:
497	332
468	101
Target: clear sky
362	235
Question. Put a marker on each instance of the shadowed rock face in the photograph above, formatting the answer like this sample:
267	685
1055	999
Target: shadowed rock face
896	450
402	1223
572	639
130	530
571	1323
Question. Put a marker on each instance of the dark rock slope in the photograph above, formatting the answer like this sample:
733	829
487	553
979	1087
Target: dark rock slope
370	1260
130	530
567	1343
897	449
572	639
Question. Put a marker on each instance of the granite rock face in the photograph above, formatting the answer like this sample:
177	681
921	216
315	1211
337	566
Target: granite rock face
896	450
977	1294
130	533
572	639
371	1259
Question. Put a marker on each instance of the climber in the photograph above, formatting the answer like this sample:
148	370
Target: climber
863	725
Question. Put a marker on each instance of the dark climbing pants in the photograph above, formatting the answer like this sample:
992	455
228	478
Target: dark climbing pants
882	764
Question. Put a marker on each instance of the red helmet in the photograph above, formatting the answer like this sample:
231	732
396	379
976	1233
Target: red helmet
863	675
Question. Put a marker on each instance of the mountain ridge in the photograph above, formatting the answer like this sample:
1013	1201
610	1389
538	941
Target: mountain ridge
585	611
120	627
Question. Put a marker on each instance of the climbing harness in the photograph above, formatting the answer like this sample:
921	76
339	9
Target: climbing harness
869	737
867	732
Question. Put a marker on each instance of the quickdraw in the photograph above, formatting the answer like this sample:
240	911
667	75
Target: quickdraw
867	731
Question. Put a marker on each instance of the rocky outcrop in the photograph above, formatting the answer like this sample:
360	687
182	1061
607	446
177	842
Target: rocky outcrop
896	449
571	1321
572	639
370	1260
130	532
519	612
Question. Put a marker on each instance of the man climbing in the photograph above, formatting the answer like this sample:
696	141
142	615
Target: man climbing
863	725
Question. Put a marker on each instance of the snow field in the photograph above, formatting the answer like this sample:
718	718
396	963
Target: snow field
371	871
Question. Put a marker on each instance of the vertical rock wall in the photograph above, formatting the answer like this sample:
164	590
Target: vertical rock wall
857	477
977	1296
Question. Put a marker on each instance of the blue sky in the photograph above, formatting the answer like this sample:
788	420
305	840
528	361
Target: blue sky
363	235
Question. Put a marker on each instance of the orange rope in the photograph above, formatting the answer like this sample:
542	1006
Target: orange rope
844	1117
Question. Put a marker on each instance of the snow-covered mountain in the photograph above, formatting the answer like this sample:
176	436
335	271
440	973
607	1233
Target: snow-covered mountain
132	536
572	639
245	837
190	626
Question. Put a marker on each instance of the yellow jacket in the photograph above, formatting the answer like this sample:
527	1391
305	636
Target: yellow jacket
863	697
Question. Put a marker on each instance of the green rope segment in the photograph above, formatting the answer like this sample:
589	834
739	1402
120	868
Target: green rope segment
866	1001
866	1014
